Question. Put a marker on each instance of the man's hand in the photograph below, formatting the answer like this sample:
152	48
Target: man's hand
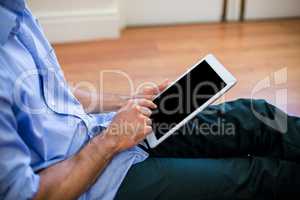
132	124
151	92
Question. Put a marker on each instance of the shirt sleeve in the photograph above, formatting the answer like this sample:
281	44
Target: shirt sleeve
17	179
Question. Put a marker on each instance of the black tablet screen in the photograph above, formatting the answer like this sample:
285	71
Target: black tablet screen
185	96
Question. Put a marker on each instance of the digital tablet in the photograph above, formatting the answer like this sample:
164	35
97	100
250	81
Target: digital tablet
192	92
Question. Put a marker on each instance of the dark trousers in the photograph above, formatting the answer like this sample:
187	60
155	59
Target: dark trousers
245	149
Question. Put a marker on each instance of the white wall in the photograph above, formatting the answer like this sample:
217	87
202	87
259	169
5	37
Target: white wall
151	12
264	9
78	20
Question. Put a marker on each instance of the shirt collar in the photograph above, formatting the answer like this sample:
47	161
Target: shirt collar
9	10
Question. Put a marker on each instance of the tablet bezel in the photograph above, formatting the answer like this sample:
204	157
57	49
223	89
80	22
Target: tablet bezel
222	72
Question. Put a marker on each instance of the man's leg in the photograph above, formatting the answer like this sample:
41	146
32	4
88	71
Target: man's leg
236	129
194	179
268	166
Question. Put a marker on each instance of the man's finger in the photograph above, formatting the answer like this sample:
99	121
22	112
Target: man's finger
143	96
151	91
164	85
147	103
145	111
147	130
148	121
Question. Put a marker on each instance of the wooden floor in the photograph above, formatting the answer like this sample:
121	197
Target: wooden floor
259	54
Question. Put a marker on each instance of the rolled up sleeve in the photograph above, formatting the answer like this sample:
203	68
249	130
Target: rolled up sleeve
17	179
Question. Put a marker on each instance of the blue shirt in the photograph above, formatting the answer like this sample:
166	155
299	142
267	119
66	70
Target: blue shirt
41	122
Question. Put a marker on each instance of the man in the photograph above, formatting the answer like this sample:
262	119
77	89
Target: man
51	148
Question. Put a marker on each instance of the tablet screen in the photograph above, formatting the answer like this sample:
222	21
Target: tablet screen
185	96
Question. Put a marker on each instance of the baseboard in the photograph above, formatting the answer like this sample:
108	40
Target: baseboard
80	26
